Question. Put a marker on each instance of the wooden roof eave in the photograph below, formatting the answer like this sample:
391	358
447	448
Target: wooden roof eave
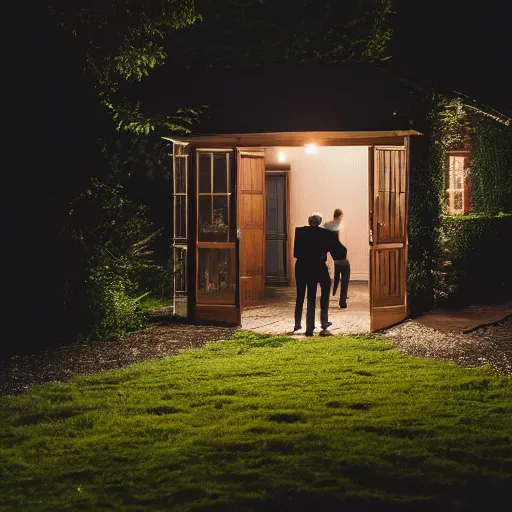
290	139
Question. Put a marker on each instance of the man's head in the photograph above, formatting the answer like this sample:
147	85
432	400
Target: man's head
315	219
337	213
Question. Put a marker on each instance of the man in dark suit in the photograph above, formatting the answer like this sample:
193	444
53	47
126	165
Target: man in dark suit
312	243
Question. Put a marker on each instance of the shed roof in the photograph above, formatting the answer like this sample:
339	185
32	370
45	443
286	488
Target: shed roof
299	138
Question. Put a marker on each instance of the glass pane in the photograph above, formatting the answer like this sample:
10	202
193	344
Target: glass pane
180	220
205	172
180	269
457	201
220	173
456	172
180	174
216	275
220	228
180	149
180	281
205	218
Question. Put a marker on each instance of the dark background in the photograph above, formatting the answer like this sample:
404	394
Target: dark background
464	46
54	120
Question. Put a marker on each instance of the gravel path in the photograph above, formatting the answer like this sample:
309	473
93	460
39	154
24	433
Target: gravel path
488	345
19	373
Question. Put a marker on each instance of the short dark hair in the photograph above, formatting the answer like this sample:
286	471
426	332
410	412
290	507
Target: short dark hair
337	213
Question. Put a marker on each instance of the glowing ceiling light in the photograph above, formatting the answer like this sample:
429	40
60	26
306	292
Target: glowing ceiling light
282	157
311	149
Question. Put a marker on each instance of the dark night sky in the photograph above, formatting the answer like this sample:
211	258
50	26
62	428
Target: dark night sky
462	45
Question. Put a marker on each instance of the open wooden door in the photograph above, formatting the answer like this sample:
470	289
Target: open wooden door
214	237
388	198
251	226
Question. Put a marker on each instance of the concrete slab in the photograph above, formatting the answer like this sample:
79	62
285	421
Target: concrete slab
467	319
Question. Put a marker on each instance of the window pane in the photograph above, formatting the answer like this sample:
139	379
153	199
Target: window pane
180	149
220	232
205	172
220	173
180	281
216	275
205	218
180	269
180	174
457	201
456	172
180	221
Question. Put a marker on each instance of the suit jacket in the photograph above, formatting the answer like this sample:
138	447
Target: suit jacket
313	243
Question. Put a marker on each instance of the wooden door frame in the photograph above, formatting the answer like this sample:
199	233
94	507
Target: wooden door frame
283	170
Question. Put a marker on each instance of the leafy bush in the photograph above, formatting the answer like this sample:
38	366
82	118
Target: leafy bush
477	251
119	270
113	311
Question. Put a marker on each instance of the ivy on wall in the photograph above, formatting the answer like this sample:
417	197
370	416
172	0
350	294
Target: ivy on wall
442	249
491	165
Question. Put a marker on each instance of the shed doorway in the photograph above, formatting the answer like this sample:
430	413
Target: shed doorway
297	183
223	239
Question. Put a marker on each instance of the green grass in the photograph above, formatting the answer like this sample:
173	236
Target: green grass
263	423
152	303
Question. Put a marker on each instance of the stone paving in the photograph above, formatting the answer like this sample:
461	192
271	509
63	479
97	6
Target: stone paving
276	316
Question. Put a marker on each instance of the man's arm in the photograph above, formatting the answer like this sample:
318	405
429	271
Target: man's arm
298	243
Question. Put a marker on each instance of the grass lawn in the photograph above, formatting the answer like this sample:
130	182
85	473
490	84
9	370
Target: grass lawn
263	423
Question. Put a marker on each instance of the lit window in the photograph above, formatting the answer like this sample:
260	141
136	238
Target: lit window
458	187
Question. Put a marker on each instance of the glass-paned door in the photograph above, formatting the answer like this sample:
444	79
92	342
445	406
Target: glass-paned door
216	238
180	228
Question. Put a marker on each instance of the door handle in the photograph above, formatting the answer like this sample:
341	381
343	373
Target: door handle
239	233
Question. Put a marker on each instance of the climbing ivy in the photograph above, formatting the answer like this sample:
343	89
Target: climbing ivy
491	165
452	257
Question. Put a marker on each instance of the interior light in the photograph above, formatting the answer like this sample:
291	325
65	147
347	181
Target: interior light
282	157
311	149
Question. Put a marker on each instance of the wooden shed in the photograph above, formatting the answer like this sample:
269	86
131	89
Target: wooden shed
239	197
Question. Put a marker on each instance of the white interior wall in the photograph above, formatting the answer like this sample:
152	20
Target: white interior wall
335	177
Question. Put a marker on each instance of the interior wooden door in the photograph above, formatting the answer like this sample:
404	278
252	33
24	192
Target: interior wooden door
276	218
251	226
388	198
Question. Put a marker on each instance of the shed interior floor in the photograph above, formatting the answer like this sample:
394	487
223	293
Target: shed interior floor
276	315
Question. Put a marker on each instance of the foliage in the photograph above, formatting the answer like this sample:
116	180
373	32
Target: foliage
425	206
476	259
113	311
453	260
234	33
263	423
118	44
491	165
117	252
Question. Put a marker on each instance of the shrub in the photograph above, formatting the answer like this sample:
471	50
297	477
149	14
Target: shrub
477	251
